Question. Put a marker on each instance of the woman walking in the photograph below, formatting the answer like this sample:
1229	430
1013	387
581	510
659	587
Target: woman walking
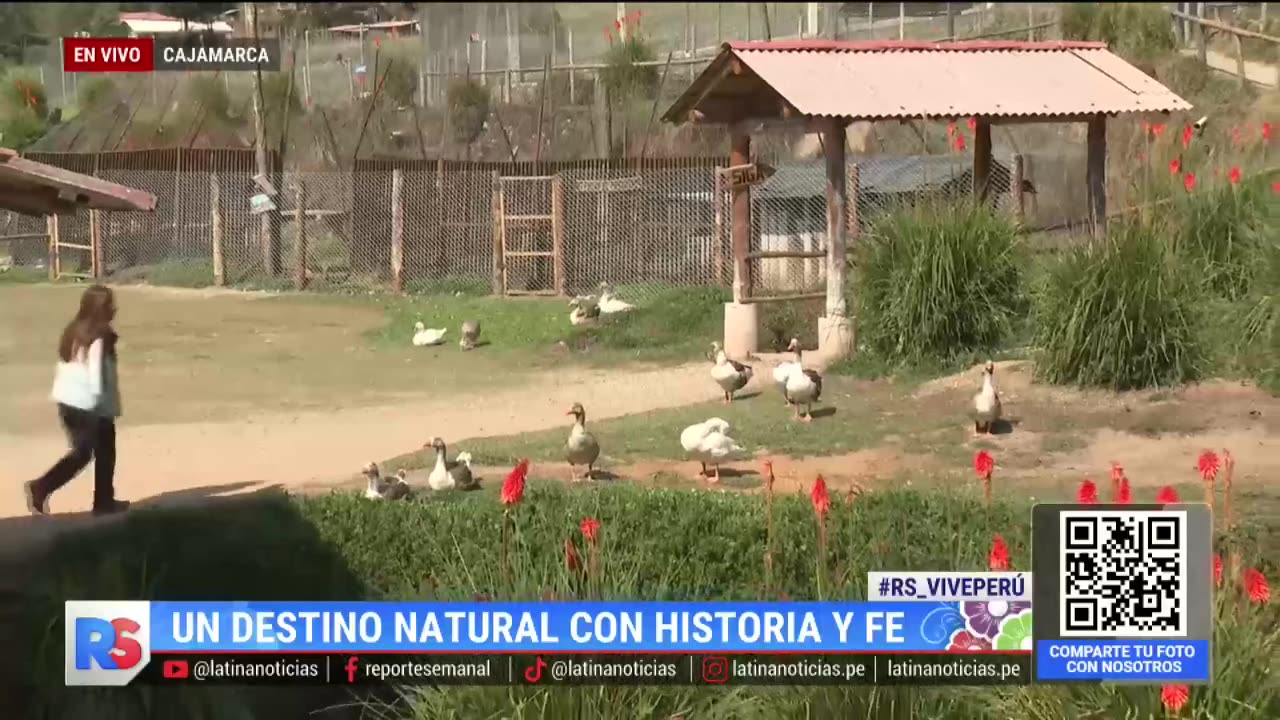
87	391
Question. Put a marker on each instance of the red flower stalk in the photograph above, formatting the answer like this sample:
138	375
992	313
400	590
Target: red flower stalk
1188	132
820	499
1255	585
1217	571
513	486
1208	465
1117	474
1266	132
768	533
1158	129
960	142
571	559
1275	187
983	464
1173	697
1175	166
998	558
1087	494
1146	128
951	129
768	476
1234	175
1235	136
590	529
1189	182
973	123
1124	495
1167	496
1229	466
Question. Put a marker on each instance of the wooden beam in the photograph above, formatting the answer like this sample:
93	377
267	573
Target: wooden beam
833	142
981	159
740	224
1096	174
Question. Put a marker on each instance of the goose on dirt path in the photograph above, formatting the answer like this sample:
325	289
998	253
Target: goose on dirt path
470	333
393	489
804	387
986	404
448	475
730	375
582	448
423	336
709	443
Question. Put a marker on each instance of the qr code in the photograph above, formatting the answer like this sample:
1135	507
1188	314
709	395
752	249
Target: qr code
1124	574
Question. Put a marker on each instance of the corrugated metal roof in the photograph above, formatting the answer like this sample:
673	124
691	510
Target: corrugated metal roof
34	188
893	79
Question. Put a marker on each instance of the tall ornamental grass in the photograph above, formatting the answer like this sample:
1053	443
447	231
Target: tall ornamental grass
939	281
1120	314
1224	232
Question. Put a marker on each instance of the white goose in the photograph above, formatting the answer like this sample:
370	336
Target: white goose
393	489
730	375
585	311
780	375
609	303
709	443
448	475
986	404
804	387
424	336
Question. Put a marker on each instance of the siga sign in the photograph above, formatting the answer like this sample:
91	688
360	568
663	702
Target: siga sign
746	175
108	642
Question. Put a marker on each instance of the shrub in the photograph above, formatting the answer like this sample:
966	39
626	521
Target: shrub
621	77
1223	233
400	79
24	110
209	94
938	281
96	92
468	109
1121	314
1135	29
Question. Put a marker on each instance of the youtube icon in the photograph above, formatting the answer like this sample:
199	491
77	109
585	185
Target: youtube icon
175	669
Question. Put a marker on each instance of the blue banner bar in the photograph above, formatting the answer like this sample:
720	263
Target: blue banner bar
1153	661
589	627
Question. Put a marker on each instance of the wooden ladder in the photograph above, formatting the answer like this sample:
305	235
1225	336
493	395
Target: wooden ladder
553	219
56	246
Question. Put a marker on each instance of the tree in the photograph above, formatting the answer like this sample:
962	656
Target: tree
15	25
58	20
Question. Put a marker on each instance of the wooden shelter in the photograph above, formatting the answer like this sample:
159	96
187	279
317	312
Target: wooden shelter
828	84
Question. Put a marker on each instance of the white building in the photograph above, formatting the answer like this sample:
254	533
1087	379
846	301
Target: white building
150	23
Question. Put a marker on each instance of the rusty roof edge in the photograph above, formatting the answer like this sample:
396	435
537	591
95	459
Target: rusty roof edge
699	88
140	199
911	45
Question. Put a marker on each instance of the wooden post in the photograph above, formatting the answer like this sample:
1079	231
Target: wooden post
851	192
740	154
1015	189
833	141
300	237
951	22
51	226
1202	38
1096	174
717	244
397	230
1240	67
506	86
215	225
499	261
1031	21
557	233
95	244
982	159
572	80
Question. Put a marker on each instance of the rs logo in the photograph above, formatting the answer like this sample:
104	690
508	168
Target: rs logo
111	645
108	642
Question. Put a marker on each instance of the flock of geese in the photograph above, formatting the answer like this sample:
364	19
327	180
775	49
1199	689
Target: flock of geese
708	443
424	336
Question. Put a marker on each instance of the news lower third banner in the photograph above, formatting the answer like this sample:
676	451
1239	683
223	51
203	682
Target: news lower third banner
109	643
565	669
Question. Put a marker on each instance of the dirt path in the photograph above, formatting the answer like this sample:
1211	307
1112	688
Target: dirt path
185	461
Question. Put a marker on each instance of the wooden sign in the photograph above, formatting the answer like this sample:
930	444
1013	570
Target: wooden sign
607	186
739	176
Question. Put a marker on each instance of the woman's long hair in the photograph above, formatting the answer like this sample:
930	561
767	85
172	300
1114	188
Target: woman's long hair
92	322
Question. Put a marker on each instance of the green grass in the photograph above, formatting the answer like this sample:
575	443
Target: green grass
758	423
23	276
655	545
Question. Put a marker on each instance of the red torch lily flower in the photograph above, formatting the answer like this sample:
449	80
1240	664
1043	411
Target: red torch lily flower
1275	187
1217	571
1124	495
1188	132
590	528
1173	697
998	558
1167	496
983	464
951	129
820	499
571	559
959	144
1266	131
513	485
1208	465
1087	494
973	123
1255	585
1175	166
1158	129
1189	182
1234	175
